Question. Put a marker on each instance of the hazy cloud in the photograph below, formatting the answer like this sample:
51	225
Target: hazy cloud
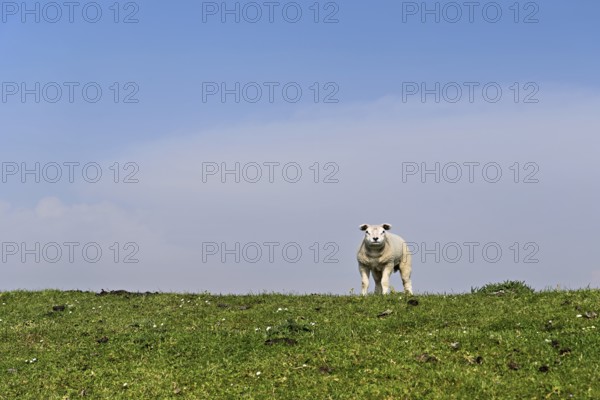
356	165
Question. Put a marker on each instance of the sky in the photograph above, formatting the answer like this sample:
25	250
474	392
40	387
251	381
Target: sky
236	147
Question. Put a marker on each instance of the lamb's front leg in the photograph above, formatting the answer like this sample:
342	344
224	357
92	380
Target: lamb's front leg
377	279
364	273
385	278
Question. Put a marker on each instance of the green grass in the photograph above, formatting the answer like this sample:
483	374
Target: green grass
470	346
514	287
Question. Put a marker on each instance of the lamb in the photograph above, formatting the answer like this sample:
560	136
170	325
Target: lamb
383	253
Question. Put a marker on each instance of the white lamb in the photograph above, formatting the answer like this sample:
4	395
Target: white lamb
383	253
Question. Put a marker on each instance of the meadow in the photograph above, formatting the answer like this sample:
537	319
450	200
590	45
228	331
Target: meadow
502	341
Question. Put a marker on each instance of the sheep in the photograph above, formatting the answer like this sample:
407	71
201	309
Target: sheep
383	253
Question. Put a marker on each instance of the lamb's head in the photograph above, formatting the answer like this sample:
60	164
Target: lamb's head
375	234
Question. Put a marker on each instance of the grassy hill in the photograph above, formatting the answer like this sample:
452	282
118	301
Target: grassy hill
490	344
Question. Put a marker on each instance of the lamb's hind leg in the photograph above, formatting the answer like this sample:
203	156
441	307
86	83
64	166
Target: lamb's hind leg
406	269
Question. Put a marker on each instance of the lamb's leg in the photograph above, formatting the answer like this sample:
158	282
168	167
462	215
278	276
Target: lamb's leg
406	269
385	278
364	273
377	278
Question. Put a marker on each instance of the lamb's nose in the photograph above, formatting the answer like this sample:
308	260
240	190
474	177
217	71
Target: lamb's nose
375	239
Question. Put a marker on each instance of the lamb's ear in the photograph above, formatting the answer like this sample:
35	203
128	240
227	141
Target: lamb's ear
387	227
363	227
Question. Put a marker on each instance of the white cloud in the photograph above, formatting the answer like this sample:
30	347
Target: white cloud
171	212
50	207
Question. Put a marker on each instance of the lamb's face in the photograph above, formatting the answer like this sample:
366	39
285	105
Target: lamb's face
375	234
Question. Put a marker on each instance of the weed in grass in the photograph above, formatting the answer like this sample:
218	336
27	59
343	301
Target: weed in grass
506	287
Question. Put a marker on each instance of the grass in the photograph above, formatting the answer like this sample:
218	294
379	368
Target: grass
514	287
121	345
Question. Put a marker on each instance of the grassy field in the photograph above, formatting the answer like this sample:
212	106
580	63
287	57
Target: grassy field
119	345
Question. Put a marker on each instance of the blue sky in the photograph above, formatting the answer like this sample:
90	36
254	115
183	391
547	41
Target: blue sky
364	61
369	53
